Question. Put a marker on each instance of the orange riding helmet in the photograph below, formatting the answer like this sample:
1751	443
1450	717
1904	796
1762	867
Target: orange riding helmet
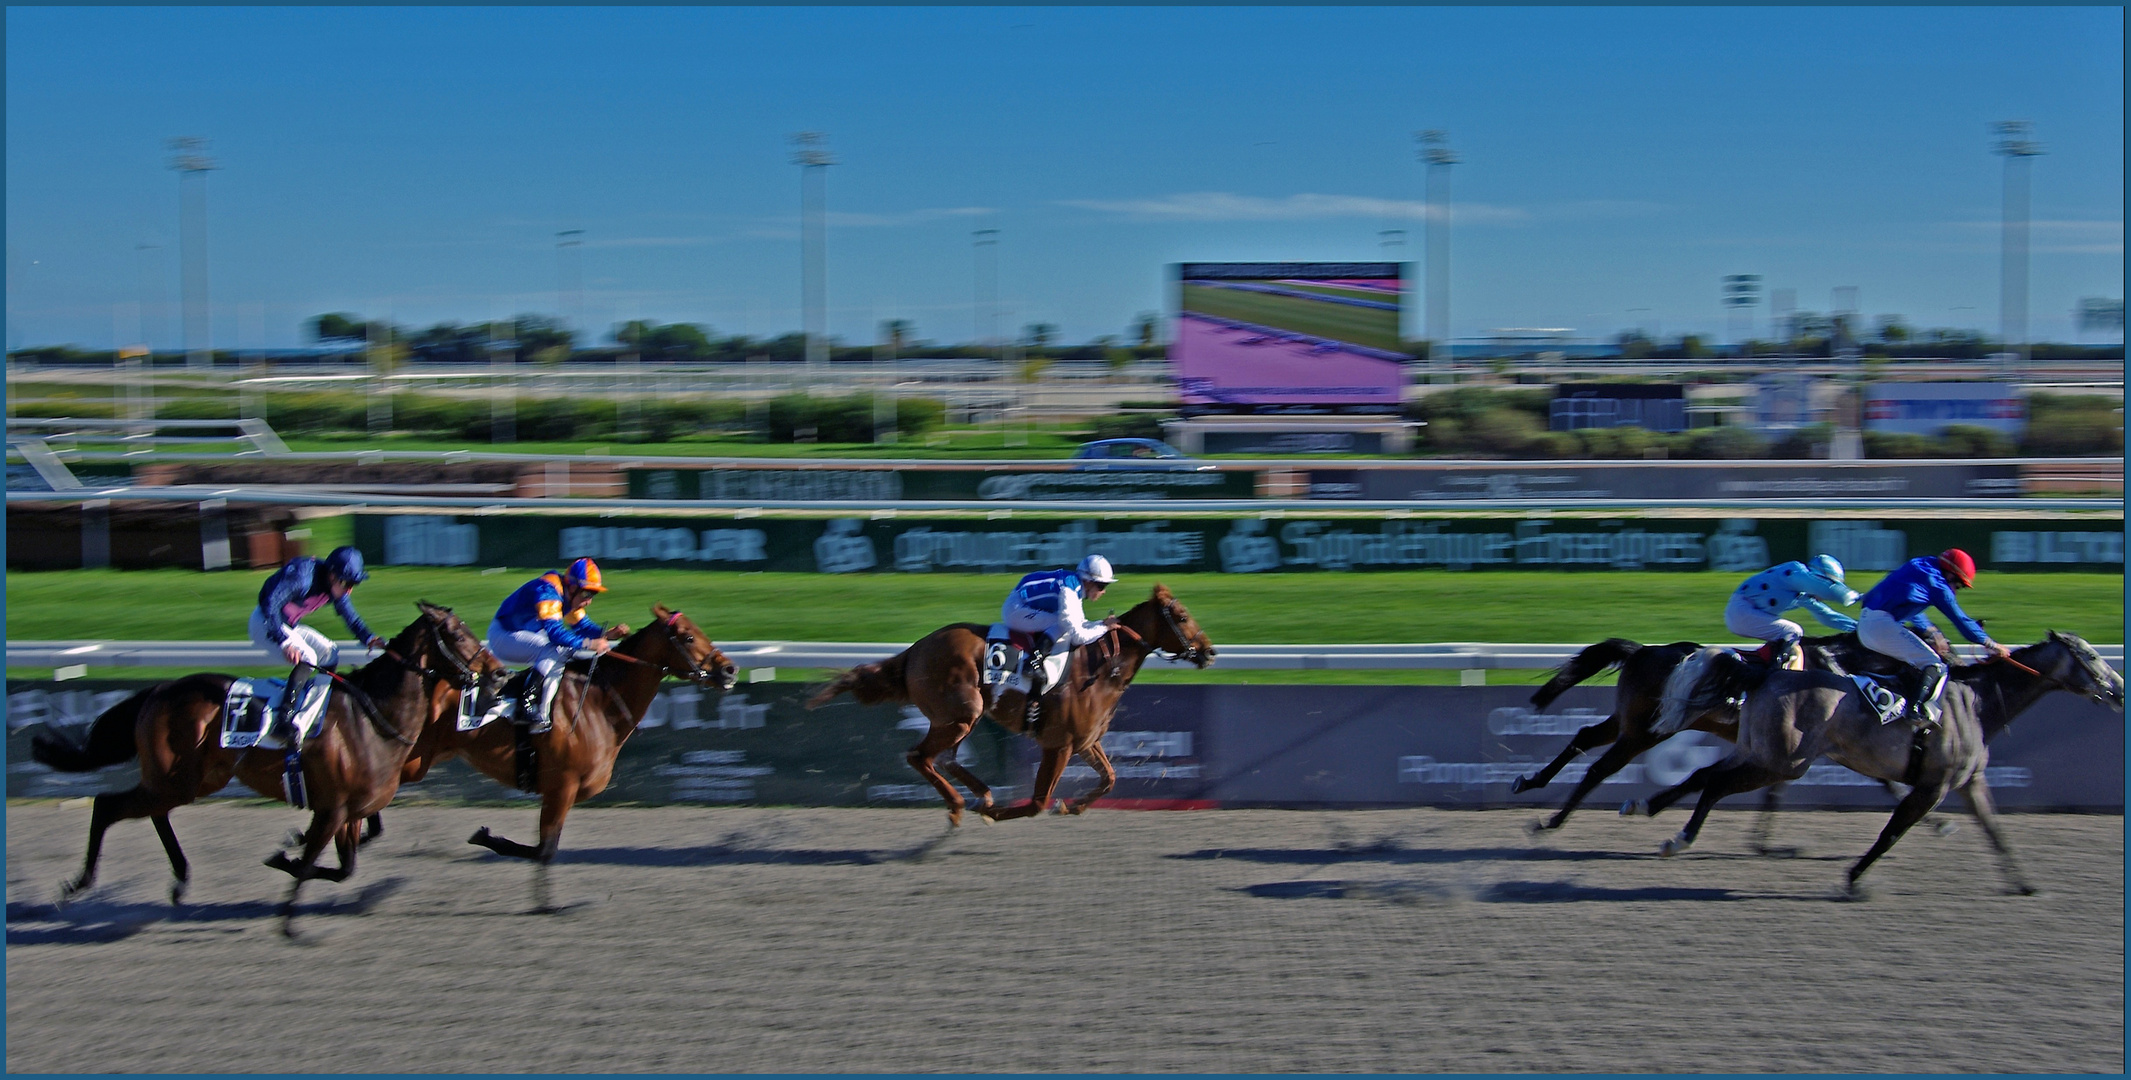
584	574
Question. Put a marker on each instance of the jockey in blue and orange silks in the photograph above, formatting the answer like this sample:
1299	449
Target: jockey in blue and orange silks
542	624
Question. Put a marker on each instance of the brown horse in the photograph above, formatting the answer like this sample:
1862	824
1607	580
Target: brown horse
596	709
351	768
943	676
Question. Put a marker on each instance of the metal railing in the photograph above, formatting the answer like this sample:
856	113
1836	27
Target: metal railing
1440	656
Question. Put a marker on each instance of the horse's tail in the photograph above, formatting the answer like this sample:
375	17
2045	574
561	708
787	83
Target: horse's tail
1594	659
109	742
869	684
1701	684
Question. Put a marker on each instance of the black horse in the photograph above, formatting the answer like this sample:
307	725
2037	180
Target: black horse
1641	687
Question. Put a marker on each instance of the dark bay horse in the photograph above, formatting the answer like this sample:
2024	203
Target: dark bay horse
596	709
1644	670
943	676
351	767
1797	717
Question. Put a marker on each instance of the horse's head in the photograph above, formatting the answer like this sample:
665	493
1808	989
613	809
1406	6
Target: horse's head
2070	662
460	656
1176	632
688	652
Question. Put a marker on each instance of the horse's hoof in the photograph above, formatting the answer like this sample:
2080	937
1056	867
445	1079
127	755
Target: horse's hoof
480	836
1635	808
1673	845
177	893
1521	785
294	839
2024	889
1854	889
69	891
1947	828
1540	827
954	819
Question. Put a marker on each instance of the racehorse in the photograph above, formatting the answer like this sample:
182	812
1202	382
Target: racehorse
1797	717
596	709
1644	670
943	676
351	768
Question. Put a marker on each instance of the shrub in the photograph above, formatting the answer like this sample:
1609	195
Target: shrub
1804	442
1504	431
1618	442
1969	440
1134	425
1726	443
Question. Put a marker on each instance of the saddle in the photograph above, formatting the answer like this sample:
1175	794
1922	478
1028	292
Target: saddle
248	712
1003	653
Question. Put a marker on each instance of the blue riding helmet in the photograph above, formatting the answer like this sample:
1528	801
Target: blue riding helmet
1825	566
346	563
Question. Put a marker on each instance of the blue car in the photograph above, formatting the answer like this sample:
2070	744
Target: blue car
1134	454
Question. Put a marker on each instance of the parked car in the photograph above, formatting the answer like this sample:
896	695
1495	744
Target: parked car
1146	455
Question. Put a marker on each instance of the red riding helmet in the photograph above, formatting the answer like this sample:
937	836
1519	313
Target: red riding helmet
1959	567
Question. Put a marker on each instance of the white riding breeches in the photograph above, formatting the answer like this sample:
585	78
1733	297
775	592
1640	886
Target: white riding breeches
1879	632
519	647
1743	618
315	648
1032	621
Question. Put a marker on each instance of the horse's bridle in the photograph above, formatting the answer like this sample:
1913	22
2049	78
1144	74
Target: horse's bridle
466	678
1189	653
696	673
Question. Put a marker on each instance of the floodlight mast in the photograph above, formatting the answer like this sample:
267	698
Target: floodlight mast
2014	145
1436	154
810	151
188	157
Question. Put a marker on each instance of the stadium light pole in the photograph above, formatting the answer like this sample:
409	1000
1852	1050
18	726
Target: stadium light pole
986	245
569	275
2016	148
810	152
188	156
1439	158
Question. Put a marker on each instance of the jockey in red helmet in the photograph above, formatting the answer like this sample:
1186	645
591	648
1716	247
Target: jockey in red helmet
1899	601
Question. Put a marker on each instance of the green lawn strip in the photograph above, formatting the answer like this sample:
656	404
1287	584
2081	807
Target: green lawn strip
1341	322
1306	608
1153	674
952	444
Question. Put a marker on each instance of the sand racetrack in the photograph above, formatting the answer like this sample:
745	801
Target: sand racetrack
793	940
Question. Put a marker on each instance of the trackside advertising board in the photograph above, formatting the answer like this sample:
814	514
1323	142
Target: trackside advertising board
1181	746
1251	545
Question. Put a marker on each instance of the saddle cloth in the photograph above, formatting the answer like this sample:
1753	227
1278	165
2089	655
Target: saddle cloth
1002	660
1884	702
471	718
249	710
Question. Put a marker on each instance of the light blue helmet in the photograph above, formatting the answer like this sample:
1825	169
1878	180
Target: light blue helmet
1826	567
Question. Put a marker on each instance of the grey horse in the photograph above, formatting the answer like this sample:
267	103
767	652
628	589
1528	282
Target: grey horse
1799	716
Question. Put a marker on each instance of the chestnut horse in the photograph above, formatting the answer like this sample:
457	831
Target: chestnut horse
596	709
943	676
1643	673
351	767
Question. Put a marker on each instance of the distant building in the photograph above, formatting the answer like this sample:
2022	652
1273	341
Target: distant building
1651	406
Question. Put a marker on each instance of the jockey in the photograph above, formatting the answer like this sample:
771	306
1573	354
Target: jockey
1757	605
301	586
1048	605
1897	604
542	624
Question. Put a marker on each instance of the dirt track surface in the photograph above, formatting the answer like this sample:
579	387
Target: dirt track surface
733	939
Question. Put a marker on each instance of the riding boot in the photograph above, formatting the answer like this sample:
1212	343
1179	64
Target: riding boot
544	704
1787	654
1037	656
291	700
1924	711
529	699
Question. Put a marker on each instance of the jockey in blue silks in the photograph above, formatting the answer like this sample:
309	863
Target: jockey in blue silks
301	586
1047	604
1757	606
542	624
1899	601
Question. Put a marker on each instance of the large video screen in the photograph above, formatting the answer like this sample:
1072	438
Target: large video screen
1251	335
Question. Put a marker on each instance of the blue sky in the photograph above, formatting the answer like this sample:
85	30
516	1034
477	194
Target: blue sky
1616	162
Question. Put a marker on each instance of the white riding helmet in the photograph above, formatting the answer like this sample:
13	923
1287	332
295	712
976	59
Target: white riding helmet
1095	568
1826	567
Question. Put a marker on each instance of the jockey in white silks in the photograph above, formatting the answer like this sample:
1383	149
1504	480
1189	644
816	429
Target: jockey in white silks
1757	606
1047	604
